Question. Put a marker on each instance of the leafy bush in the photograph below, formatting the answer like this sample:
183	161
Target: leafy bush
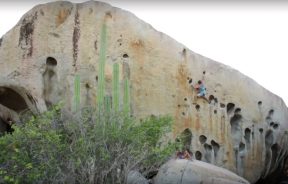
58	147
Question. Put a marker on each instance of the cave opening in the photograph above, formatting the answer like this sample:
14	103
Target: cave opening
198	155
12	100
230	107
11	105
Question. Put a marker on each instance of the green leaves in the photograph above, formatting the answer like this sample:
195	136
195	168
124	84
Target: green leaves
53	147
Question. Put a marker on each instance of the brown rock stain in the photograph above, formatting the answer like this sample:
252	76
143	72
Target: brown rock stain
187	122
26	35
62	16
76	36
108	15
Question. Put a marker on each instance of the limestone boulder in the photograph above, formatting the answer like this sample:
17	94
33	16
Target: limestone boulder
93	54
183	171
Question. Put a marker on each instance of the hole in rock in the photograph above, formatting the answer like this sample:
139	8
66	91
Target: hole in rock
236	130
204	72
125	56
237	110
183	113
197	107
215	100
211	97
276	126
96	78
230	107
198	155
50	82
271	124
179	105
261	130
247	135
215	147
260	103
184	52
215	111
190	81
87	85
222	105
202	139
185	99
241	146
12	100
51	61
271	112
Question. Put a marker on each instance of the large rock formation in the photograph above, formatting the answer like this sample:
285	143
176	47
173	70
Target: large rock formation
93	54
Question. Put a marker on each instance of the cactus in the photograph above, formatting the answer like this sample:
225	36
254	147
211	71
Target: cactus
76	93
126	98
116	87
107	103
101	80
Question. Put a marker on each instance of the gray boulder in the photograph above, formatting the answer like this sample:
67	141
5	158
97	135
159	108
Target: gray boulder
134	177
181	171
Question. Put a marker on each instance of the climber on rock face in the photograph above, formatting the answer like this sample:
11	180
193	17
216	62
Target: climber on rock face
200	89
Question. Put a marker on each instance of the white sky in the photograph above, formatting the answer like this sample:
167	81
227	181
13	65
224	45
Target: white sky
250	37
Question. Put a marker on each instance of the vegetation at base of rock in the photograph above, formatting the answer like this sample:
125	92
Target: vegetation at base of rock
89	147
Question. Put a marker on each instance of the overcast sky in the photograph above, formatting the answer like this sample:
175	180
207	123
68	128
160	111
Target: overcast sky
251	36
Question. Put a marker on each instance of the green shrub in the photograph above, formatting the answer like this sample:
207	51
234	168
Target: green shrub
58	147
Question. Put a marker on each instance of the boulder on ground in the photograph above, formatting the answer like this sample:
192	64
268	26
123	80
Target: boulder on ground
183	171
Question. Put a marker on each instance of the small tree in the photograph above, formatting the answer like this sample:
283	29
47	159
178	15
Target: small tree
92	147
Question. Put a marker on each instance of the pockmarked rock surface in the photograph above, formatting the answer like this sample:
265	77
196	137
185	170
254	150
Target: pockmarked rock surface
183	171
93	54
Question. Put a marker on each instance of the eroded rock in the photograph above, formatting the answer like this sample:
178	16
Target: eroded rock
92	53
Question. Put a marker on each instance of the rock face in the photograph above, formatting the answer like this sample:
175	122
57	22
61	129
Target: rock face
93	54
195	172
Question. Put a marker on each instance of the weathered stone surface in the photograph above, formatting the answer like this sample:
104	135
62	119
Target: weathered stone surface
92	53
134	177
183	171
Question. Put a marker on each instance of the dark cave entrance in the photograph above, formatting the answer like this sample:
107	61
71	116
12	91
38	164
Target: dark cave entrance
11	105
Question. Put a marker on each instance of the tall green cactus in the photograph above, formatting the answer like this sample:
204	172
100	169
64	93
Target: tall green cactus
76	93
116	86
126	98
107	103
101	78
